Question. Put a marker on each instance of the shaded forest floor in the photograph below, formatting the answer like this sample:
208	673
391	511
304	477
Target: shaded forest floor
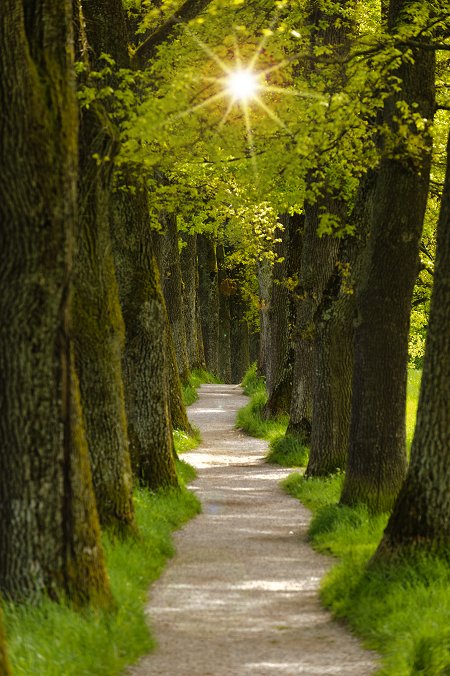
241	595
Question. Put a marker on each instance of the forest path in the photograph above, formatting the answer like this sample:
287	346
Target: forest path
241	594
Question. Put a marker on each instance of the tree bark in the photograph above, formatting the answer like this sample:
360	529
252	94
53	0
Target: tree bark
377	446
50	537
282	317
98	322
209	300
188	264
240	347
145	361
224	318
421	516
173	293
333	353
318	260
264	272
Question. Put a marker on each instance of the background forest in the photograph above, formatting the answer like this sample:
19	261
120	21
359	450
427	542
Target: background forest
187	188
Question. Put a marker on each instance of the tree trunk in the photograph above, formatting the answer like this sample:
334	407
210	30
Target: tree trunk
421	516
318	260
264	272
224	318
98	323
173	293
377	447
145	362
333	356
50	537
240	347
282	317
209	300
188	264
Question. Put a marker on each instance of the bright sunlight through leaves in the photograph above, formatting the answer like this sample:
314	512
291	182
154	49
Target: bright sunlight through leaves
243	84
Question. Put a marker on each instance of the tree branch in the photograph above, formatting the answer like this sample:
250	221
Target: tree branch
188	11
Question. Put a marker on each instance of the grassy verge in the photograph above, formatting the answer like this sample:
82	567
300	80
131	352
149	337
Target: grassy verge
197	378
51	639
283	450
401	610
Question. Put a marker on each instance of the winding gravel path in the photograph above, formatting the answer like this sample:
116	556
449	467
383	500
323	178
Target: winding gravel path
240	596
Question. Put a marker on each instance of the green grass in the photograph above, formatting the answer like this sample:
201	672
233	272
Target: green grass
197	378
412	399
401	610
284	450
185	442
52	640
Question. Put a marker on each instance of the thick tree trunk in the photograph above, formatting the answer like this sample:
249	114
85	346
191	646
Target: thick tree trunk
98	323
224	318
318	260
209	300
421	516
240	347
50	537
264	272
173	293
188	263
282	317
145	362
333	356
377	448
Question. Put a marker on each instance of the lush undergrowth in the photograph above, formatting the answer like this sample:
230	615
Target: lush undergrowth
51	639
402	610
184	442
283	450
197	378
412	399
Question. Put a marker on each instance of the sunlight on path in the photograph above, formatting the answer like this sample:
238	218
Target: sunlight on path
240	596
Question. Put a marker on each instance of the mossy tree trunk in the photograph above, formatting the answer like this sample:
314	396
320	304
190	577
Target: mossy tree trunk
377	445
225	288
98	323
188	264
145	361
240	341
282	317
421	515
334	346
173	293
209	300
318	259
264	273
50	536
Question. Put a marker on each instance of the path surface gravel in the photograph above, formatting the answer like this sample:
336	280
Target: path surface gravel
241	594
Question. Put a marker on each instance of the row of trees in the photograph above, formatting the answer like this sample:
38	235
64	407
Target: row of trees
146	220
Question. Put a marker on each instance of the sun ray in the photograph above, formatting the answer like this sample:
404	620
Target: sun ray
207	102
209	51
263	42
273	116
226	113
293	92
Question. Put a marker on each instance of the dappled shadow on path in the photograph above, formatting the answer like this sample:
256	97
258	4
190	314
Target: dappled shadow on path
241	595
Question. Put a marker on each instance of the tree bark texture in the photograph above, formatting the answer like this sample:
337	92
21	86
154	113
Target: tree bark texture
282	317
240	346
173	293
145	361
209	300
188	263
225	289
333	350
377	446
421	516
99	334
264	272
50	537
318	260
